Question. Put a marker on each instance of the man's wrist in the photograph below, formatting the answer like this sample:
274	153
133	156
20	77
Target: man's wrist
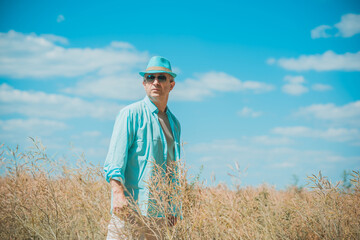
118	192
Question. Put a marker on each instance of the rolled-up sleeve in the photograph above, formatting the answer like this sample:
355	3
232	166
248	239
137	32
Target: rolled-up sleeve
121	141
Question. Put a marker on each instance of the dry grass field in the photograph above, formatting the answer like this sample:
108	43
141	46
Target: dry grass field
43	199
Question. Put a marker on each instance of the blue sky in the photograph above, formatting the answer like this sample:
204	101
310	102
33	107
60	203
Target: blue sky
273	86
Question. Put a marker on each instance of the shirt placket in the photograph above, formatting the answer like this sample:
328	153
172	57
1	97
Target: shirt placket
177	154
163	138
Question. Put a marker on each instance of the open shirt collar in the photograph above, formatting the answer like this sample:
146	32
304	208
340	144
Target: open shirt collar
153	108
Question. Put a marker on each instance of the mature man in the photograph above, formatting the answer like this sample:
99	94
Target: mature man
145	134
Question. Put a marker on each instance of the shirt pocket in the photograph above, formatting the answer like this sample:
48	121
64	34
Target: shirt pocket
141	149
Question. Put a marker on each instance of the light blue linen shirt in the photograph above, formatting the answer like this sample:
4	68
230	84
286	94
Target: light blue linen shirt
136	143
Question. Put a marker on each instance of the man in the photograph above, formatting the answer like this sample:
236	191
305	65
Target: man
145	134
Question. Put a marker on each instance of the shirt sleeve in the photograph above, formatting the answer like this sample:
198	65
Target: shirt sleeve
121	140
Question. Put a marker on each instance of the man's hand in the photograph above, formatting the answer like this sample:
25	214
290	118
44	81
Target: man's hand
120	202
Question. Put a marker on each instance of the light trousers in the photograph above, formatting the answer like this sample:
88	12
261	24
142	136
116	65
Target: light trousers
120	229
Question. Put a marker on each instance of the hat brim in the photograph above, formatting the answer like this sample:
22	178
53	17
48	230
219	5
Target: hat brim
157	71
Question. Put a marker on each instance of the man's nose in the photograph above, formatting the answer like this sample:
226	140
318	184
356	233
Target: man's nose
156	81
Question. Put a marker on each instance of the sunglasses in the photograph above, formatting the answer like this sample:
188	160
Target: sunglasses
151	78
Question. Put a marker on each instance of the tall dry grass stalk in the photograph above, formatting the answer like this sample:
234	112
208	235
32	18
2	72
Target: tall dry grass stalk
43	199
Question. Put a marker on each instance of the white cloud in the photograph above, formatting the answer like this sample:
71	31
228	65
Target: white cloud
347	114
321	87
54	38
349	25
328	61
294	85
220	81
16	132
269	140
91	134
176	69
97	153
248	112
60	18
320	32
31	126
229	150
331	134
123	45
257	87
190	90
284	165
92	143
110	72
29	55
124	86
56	137
88	135
294	79
220	153
271	61
228	145
207	84
265	162
40	104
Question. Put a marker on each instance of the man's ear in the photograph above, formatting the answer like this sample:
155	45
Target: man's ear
144	83
172	85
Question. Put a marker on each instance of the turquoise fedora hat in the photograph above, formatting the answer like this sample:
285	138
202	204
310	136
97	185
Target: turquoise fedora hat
158	64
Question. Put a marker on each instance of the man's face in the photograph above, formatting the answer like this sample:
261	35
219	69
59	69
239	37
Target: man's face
157	90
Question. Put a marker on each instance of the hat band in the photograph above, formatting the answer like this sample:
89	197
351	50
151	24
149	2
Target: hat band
158	68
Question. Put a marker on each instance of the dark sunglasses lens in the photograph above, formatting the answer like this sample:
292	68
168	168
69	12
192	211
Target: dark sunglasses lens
161	78
150	78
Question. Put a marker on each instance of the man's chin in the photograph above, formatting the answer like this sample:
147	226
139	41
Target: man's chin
155	94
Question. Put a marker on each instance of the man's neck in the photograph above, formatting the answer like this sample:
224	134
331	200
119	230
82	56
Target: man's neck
160	103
